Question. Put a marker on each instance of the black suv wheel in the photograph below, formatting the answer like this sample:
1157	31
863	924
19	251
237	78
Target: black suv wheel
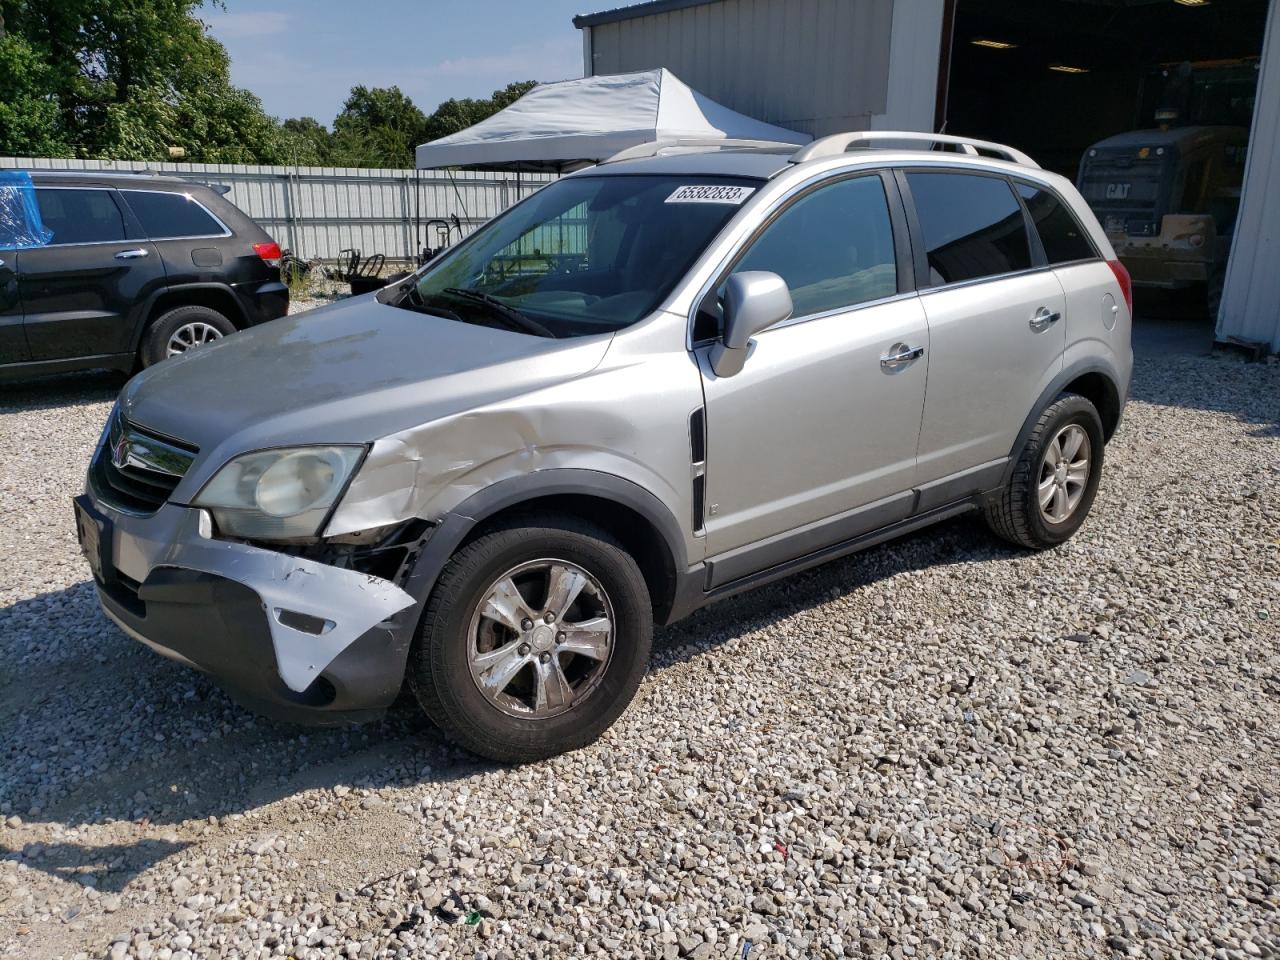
182	329
534	640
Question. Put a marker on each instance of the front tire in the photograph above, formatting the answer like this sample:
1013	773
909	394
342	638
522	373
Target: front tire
534	640
1054	479
182	329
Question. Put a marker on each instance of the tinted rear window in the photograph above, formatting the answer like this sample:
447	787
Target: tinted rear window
171	215
973	226
1061	235
80	216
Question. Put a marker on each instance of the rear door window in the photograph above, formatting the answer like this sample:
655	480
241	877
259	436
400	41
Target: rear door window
169	216
833	247
973	226
1061	235
78	215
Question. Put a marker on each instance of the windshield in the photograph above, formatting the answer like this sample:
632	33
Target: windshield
583	255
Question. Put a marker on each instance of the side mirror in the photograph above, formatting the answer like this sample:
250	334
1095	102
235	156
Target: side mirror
753	301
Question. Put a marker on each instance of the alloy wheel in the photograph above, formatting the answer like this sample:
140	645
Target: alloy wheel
540	638
191	335
1064	473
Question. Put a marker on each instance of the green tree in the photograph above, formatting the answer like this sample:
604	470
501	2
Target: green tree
128	79
29	119
511	93
379	127
125	79
307	141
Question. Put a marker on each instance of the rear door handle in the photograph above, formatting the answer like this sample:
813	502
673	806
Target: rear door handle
1044	319
899	356
133	254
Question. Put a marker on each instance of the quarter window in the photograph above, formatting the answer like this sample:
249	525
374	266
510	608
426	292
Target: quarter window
973	226
80	216
168	215
833	247
1061	235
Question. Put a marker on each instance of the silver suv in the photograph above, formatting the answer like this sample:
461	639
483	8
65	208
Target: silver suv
660	381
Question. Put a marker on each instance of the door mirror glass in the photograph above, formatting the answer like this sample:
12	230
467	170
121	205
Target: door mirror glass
753	301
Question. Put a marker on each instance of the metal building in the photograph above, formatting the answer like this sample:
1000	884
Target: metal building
817	66
1050	77
1251	298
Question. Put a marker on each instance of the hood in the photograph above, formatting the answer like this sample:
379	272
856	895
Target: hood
350	372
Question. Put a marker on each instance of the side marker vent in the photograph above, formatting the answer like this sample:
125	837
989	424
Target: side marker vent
698	457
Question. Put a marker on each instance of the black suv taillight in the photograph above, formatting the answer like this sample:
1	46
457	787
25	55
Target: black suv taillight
269	252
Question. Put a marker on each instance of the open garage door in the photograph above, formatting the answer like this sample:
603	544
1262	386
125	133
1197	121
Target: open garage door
1056	76
1154	96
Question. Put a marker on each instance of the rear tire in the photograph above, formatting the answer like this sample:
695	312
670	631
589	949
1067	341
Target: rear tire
551	698
188	328
1054	479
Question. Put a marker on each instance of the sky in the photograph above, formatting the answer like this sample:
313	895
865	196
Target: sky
303	56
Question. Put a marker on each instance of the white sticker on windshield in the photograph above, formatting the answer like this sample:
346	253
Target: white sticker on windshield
710	193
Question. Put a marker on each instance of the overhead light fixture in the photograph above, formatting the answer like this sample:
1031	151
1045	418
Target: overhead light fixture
1192	3
1064	68
993	44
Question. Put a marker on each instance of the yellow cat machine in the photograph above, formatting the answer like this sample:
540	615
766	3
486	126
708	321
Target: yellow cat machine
1168	197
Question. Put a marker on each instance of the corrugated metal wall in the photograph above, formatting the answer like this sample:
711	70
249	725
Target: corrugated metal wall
318	211
817	66
1251	298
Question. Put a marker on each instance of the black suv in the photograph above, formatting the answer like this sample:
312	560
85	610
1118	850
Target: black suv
138	268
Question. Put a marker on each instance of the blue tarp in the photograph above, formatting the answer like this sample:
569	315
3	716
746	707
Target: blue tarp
20	224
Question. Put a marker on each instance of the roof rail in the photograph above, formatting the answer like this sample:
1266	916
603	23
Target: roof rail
654	147
836	144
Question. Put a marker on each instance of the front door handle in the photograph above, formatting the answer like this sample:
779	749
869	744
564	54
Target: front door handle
899	356
1044	319
133	254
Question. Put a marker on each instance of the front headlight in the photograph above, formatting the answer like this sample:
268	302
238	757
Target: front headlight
278	494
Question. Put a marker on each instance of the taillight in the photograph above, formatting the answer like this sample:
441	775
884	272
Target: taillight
1125	281
269	252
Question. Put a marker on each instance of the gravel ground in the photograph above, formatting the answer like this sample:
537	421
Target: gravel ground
941	747
316	291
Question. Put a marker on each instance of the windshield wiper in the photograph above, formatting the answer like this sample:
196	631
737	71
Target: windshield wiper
509	313
436	312
408	286
414	301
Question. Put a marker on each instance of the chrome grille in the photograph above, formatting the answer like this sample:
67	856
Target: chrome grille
137	471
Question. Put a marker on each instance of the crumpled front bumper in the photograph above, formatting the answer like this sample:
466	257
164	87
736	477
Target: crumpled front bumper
286	635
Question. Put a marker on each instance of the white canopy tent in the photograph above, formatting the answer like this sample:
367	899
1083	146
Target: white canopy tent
566	125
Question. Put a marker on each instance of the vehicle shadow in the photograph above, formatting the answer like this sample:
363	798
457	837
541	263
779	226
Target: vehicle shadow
101	731
61	390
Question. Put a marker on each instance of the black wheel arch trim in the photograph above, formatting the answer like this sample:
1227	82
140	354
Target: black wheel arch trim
449	531
149	305
1059	383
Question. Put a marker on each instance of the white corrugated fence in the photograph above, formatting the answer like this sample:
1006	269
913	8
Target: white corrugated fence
318	211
